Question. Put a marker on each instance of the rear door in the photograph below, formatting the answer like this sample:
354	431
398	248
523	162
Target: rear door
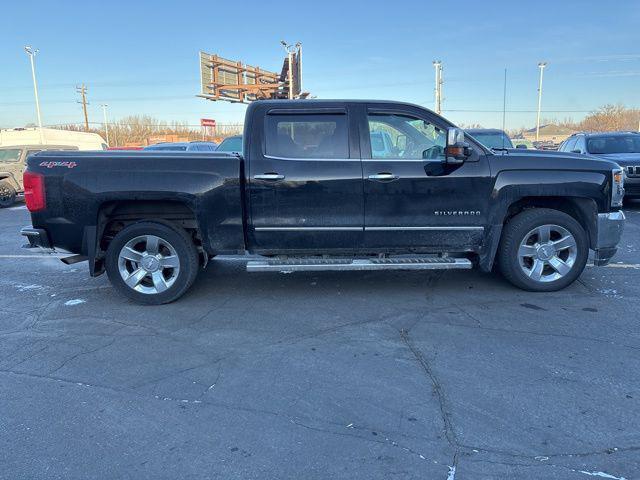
414	202
305	181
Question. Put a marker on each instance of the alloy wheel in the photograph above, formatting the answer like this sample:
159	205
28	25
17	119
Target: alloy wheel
547	253
148	264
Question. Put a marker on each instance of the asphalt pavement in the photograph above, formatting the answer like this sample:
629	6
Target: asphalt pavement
372	375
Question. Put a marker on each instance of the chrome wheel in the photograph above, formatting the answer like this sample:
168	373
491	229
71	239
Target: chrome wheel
547	253
148	264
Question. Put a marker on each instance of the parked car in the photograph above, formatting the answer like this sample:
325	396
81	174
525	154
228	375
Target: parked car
183	147
231	144
51	137
491	137
125	148
523	143
620	147
310	193
546	145
13	161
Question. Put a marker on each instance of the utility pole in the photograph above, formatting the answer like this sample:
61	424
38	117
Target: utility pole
437	64
32	53
541	66
290	49
82	90
106	125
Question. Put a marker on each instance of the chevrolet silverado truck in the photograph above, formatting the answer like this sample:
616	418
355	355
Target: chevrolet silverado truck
310	193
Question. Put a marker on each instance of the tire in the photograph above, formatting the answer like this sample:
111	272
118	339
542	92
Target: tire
533	260
157	271
7	194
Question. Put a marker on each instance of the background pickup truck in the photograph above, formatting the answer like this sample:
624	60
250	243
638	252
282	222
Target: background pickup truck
310	193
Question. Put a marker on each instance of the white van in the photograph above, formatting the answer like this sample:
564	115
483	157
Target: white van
51	136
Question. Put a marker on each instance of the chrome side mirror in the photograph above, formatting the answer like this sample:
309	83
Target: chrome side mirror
457	149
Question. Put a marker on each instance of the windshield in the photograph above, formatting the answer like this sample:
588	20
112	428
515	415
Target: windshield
232	144
493	139
614	144
11	155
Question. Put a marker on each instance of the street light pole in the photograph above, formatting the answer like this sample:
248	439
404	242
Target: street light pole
32	53
437	64
106	125
541	66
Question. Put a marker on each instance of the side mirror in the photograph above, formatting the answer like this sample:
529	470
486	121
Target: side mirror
576	150
521	145
457	150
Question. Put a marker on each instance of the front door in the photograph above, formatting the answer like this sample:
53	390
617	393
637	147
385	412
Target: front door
414	201
305	182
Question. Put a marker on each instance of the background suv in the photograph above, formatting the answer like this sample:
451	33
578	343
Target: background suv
620	147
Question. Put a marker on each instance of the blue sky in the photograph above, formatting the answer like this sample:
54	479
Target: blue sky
142	57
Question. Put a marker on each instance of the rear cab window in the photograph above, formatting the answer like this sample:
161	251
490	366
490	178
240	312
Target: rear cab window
320	136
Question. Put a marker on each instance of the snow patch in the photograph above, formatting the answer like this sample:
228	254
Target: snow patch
76	301
601	474
452	473
26	288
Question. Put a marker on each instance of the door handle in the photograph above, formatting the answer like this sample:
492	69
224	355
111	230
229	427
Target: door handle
269	176
383	176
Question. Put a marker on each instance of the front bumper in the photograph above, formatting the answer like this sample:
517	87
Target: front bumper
37	237
610	227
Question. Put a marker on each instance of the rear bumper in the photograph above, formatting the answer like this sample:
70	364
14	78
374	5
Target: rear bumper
610	227
37	237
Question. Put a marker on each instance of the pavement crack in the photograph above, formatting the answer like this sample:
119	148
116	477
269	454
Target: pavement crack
80	354
445	414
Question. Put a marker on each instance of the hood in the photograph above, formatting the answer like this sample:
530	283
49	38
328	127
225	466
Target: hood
623	159
552	160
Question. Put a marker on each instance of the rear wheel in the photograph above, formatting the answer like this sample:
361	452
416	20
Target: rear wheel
7	194
543	250
152	263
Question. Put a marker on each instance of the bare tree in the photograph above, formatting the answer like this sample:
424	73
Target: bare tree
143	129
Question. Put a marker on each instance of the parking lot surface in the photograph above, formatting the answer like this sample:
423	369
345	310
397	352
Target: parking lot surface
372	375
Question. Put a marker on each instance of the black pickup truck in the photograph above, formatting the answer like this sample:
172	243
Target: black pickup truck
328	185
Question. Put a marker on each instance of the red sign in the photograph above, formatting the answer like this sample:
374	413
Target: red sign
207	122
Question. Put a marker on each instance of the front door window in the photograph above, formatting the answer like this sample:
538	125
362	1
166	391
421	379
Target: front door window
404	137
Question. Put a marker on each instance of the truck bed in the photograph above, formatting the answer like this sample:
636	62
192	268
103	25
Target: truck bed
82	186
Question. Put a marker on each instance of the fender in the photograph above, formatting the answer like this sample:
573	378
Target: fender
521	188
10	177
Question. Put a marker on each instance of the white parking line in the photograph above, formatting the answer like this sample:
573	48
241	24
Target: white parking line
634	266
35	255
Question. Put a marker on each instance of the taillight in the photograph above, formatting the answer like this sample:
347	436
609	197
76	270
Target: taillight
34	195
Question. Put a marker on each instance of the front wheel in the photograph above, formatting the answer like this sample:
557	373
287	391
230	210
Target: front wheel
152	263
543	250
7	195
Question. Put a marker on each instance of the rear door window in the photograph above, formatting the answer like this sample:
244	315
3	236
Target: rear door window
321	136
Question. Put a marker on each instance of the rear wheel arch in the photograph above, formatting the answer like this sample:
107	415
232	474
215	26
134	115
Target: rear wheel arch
113	217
